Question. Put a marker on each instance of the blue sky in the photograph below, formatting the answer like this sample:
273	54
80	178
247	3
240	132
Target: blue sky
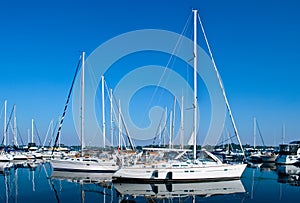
255	44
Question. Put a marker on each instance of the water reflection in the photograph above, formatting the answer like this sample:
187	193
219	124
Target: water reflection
178	190
269	167
36	182
82	177
289	174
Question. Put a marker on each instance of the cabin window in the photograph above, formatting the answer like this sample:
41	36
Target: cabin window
169	176
155	174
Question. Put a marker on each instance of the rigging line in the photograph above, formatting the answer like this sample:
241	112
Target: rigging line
53	133
19	133
48	130
221	85
157	133
114	111
90	73
111	99
262	139
126	129
169	61
127	132
2	109
66	105
37	133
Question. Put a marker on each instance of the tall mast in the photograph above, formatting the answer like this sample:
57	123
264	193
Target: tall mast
170	136
103	111
15	127
195	82
254	135
82	101
32	130
181	125
283	132
111	118
119	125
4	130
165	126
28	135
173	123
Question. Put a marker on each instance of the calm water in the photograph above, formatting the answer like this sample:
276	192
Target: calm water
258	184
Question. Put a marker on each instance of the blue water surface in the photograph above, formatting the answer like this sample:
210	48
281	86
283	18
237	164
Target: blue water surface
261	183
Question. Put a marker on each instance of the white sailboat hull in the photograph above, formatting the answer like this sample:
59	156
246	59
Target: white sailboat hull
185	174
5	157
82	165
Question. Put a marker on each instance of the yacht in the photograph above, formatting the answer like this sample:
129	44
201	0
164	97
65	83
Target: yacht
165	166
288	153
85	164
168	165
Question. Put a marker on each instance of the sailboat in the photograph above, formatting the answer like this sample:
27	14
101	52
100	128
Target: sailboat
204	166
82	163
4	155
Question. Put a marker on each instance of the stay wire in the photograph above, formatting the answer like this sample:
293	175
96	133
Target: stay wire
66	105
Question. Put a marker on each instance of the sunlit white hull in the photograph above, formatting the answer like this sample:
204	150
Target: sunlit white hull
185	174
84	165
5	157
19	157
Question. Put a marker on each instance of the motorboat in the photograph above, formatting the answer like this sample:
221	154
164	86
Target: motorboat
288	153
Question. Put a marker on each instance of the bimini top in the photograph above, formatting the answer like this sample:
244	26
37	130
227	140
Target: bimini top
295	142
